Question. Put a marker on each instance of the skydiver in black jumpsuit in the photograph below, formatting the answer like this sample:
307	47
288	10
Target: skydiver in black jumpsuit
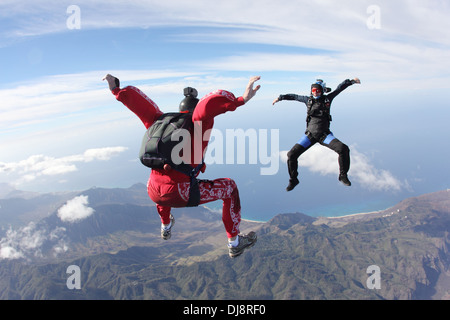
318	129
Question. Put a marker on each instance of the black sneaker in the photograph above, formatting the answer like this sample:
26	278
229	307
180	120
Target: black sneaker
167	233
344	179
292	184
245	241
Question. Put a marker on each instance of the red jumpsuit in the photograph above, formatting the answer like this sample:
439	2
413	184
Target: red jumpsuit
170	189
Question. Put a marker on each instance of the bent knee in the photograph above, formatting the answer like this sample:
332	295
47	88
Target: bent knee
339	147
344	149
295	152
232	183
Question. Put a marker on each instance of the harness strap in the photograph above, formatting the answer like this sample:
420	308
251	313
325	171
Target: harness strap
194	190
318	113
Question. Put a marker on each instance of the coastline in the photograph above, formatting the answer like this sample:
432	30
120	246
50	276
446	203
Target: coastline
324	219
350	218
358	214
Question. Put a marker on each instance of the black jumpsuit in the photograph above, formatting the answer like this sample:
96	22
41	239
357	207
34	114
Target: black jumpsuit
318	130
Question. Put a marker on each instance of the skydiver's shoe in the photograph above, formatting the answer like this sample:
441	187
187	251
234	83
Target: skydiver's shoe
113	82
344	179
245	241
292	184
166	233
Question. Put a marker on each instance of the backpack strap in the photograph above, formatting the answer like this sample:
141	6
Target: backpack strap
322	112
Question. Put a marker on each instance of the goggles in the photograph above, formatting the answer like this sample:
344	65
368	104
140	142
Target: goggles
316	90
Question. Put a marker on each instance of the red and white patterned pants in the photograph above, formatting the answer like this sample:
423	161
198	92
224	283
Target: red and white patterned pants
173	195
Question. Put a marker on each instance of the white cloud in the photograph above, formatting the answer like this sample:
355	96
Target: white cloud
370	177
32	241
53	101
324	161
40	165
75	210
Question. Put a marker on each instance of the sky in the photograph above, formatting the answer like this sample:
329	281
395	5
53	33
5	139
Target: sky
62	130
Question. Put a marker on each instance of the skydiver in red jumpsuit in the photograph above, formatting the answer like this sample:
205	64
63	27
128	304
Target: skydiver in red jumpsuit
170	188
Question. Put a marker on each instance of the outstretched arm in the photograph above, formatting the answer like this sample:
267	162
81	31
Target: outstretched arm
135	100
290	96
222	101
341	87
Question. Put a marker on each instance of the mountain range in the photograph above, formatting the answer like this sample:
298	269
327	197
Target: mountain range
120	254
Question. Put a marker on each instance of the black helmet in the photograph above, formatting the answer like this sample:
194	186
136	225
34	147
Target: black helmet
190	101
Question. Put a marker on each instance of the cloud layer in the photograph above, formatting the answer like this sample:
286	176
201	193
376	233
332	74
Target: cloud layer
41	165
36	240
407	28
32	241
411	38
